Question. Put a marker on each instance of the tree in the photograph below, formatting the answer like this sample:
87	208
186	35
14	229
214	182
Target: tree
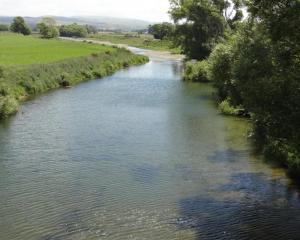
161	30
48	28
73	30
49	21
19	26
259	67
91	29
201	23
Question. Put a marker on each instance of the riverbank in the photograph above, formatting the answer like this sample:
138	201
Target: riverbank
162	54
280	144
20	81
144	41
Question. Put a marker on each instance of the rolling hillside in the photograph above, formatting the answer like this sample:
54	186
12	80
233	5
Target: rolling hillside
103	23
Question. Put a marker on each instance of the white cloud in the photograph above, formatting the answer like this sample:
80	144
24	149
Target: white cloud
151	10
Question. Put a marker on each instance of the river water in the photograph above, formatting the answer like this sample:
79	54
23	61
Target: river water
138	155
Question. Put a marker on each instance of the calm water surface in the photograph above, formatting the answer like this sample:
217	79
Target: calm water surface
138	155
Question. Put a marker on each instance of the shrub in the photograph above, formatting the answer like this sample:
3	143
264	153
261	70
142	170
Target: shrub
1	72
8	106
47	31
221	72
4	89
284	153
227	109
73	30
196	72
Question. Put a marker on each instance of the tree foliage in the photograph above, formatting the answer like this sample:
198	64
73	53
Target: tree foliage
19	26
161	30
258	66
48	28
73	30
201	23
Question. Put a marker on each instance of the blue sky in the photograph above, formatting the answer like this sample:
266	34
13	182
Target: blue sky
151	10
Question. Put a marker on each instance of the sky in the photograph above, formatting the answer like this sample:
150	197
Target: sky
150	10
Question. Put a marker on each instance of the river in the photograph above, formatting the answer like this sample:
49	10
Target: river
138	155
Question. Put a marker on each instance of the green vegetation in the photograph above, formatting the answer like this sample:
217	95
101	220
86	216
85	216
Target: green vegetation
200	24
19	49
227	108
19	26
159	39
73	30
4	28
137	40
37	65
254	65
196	71
162	31
48	28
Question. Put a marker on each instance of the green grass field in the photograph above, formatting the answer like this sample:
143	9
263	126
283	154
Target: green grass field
139	41
30	65
24	50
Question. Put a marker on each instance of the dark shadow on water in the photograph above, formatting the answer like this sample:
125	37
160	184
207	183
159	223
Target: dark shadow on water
267	210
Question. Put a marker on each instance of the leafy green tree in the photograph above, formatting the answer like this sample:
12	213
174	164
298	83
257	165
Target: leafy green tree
256	66
47	28
73	30
259	67
19	26
161	30
275	66
201	23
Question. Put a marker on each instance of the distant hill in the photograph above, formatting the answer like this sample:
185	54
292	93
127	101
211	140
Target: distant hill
102	23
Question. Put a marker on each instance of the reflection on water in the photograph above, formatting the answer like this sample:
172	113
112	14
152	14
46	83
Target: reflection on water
138	155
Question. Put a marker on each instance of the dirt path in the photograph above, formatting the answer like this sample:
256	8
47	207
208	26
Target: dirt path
152	54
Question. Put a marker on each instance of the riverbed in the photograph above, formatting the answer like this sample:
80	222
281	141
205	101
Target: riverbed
138	155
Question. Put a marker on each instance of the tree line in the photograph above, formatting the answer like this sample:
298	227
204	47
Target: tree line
252	60
48	28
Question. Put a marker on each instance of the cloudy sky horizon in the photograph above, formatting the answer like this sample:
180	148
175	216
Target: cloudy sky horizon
154	10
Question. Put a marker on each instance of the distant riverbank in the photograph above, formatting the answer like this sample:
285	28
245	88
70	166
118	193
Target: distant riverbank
144	41
162	54
37	66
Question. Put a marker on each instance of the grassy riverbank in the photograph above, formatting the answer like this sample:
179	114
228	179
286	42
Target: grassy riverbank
140	41
29	66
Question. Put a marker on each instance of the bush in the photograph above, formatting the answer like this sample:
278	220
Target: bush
8	106
73	30
47	31
221	72
4	89
1	72
227	109
196	72
282	152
